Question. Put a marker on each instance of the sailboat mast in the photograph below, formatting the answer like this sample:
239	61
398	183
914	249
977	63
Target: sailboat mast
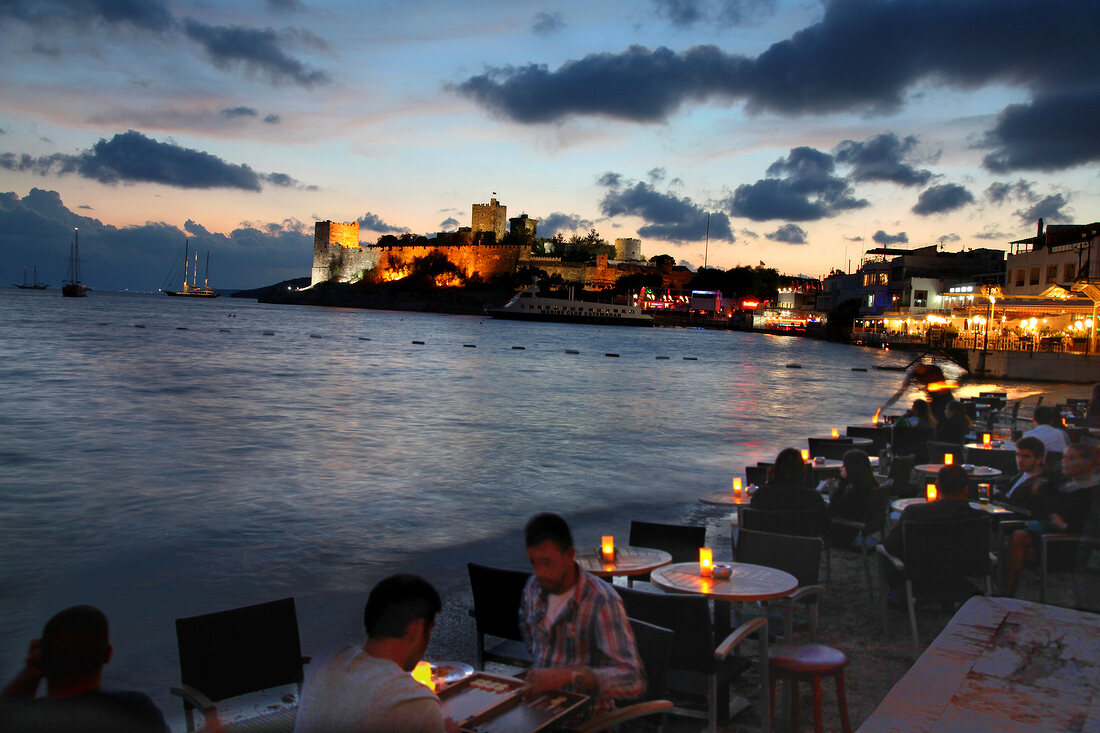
206	277
186	260
195	272
76	255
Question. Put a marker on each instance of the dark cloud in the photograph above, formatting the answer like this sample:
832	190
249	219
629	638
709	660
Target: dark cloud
1052	208
948	239
132	157
991	232
942	199
887	239
788	233
546	24
286	6
882	158
854	239
610	179
373	223
557	222
1052	132
239	112
39	227
257	50
150	15
750	234
715	12
668	217
273	119
282	180
656	175
808	190
999	192
449	224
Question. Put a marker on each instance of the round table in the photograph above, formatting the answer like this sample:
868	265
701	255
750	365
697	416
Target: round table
853	441
747	582
628	561
898	505
829	464
726	498
1005	445
978	472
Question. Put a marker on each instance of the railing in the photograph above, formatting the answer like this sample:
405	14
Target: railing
973	341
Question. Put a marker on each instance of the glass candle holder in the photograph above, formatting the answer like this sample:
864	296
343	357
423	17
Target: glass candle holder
706	562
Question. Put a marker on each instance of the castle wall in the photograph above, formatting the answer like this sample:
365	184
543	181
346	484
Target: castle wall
481	260
337	254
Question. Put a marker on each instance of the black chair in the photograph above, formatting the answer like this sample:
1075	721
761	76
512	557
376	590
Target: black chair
880	436
801	523
680	541
938	559
231	653
1002	460
655	649
935	451
873	526
829	448
910	441
699	664
498	594
901	471
756	475
799	556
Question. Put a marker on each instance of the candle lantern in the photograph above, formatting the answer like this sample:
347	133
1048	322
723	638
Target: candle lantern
805	454
948	459
607	548
930	492
422	673
737	486
986	439
706	562
836	433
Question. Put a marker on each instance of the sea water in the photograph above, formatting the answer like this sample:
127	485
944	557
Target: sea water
163	457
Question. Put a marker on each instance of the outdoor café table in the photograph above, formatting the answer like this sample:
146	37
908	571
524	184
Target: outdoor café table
628	561
1005	445
726	498
829	464
977	473
852	441
898	505
1001	664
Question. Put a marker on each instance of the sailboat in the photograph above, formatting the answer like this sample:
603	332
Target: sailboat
33	285
193	289
73	288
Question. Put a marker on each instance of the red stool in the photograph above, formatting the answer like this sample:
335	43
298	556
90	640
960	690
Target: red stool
808	662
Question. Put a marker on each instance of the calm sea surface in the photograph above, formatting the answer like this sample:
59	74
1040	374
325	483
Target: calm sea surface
161	457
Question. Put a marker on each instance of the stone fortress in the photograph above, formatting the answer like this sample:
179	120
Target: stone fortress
483	250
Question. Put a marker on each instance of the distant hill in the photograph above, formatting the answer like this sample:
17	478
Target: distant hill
267	290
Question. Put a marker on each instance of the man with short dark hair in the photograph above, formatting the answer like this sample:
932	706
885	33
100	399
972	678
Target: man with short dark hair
952	483
1048	429
367	688
574	624
70	656
1029	489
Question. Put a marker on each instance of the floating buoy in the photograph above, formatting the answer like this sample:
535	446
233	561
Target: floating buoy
269	333
794	366
223	330
662	358
469	346
364	338
613	355
181	328
519	348
419	343
315	336
139	325
572	351
691	358
101	324
858	369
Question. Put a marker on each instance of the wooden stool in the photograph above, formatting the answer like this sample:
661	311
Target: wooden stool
808	662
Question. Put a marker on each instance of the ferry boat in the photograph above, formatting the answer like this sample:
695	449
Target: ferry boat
527	305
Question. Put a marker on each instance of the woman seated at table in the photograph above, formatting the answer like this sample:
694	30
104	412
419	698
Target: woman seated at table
787	490
852	496
918	416
955	426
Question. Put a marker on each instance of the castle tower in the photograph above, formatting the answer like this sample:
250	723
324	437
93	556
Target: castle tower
490	217
628	249
523	229
331	240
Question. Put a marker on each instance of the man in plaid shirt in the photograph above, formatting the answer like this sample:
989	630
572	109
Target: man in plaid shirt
574	624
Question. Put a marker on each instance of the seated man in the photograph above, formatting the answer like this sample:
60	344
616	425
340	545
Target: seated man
952	483
1048	429
1068	511
70	656
367	688
574	624
1030	488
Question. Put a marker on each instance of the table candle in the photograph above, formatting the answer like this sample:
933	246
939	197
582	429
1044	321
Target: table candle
930	492
607	548
706	561
737	486
836	433
805	454
948	459
986	438
422	673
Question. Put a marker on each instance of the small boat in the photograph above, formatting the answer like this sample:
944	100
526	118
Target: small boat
73	288
527	305
32	285
193	289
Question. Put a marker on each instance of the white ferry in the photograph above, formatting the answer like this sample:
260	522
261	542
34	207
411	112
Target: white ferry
526	305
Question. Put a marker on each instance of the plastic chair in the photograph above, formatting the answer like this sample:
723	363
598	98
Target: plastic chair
655	649
872	527
680	541
937	560
799	556
698	661
238	651
498	594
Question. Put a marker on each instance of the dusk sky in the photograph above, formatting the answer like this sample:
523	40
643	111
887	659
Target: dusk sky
808	131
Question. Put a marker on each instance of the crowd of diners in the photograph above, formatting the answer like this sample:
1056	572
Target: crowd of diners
574	624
